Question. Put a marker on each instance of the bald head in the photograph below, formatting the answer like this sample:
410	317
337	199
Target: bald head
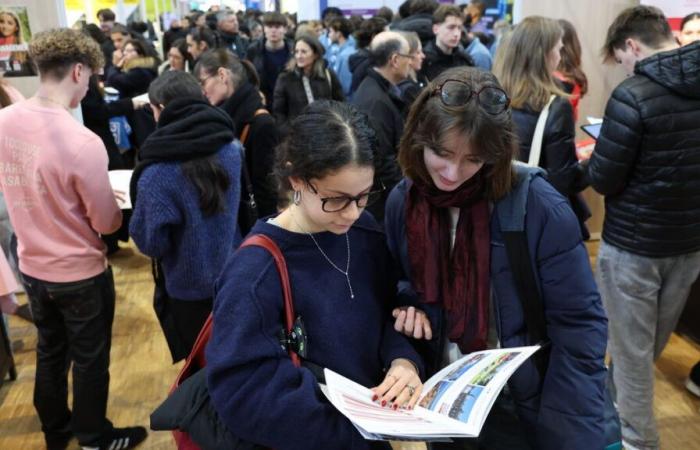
385	45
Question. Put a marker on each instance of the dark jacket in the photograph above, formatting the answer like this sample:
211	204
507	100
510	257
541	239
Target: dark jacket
437	62
256	55
359	66
381	101
235	43
420	23
254	386
290	96
647	158
263	137
558	155
134	78
565	410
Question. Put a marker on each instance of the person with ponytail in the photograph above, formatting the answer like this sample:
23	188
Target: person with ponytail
185	192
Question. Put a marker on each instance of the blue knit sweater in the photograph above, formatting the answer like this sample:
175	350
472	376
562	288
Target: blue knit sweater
257	391
167	224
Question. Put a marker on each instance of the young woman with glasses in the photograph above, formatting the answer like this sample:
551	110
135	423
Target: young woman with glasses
342	289
445	227
525	64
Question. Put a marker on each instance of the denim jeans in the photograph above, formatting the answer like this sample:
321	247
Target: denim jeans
644	298
74	323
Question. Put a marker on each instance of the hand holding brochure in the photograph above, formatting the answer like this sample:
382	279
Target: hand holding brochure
455	401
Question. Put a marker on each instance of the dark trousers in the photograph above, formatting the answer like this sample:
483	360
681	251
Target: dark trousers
502	430
181	320
74	323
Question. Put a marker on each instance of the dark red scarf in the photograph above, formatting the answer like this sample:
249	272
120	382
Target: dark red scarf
459	279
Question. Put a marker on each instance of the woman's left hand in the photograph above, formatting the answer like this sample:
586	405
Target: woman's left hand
401	386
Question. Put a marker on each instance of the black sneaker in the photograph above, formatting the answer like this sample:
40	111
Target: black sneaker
693	382
120	439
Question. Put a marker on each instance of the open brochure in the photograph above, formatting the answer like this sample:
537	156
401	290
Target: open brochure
455	401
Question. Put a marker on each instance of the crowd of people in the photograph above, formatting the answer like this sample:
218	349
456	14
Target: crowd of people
391	159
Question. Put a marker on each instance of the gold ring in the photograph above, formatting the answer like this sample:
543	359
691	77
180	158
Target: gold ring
411	390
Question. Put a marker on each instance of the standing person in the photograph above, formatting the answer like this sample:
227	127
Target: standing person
270	54
645	163
178	58
445	51
379	97
227	26
305	80
185	193
419	19
690	32
199	40
446	227
569	71
231	84
413	85
59	204
339	272
176	32
133	73
340	34
525	64
359	62
474	18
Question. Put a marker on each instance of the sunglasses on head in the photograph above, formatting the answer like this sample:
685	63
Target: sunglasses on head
455	93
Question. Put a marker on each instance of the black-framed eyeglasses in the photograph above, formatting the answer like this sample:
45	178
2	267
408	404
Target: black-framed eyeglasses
203	81
335	204
491	99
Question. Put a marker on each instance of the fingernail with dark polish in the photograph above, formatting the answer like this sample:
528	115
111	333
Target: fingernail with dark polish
395	406
375	397
383	402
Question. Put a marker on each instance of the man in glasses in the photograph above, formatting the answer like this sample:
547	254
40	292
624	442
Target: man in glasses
379	97
445	51
646	164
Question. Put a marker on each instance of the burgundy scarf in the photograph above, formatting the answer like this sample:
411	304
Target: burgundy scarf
459	280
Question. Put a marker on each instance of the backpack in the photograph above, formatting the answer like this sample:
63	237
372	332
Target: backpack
525	276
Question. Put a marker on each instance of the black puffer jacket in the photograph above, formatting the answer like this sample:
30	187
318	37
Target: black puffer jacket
437	62
647	159
420	23
290	97
359	66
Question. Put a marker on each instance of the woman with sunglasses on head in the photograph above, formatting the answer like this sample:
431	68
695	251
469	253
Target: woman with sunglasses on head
525	66
339	271
444	226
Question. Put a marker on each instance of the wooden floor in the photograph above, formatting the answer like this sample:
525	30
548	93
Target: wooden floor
141	372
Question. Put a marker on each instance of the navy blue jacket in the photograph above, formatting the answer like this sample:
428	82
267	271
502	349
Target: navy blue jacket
259	394
566	410
168	225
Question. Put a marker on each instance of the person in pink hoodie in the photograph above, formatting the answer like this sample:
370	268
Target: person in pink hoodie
53	173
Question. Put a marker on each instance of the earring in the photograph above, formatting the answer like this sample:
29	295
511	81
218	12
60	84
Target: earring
297	197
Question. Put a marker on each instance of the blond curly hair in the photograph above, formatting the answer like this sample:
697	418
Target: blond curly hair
55	51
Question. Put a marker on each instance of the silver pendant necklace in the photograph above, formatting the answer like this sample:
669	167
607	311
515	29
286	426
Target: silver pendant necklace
345	272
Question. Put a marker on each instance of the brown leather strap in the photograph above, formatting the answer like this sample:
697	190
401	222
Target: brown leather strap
246	128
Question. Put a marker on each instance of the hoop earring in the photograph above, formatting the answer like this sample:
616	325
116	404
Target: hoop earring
297	197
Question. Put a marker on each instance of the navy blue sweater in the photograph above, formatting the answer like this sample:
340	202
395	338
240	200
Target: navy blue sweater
167	224
257	391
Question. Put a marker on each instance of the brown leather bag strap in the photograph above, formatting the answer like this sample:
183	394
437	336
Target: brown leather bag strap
246	128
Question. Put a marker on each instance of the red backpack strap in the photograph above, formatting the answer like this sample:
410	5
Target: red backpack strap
289	316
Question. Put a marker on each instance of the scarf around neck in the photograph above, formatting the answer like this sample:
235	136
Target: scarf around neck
456	276
187	129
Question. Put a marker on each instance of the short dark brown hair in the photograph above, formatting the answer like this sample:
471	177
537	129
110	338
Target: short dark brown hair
274	18
343	25
645	23
492	137
444	11
55	51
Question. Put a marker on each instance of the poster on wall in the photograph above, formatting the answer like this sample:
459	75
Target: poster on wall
675	10
14	42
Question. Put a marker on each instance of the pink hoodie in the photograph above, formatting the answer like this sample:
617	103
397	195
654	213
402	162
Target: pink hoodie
53	172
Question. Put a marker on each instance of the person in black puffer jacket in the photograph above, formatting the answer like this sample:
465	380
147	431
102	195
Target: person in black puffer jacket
419	20
646	163
305	80
526	73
